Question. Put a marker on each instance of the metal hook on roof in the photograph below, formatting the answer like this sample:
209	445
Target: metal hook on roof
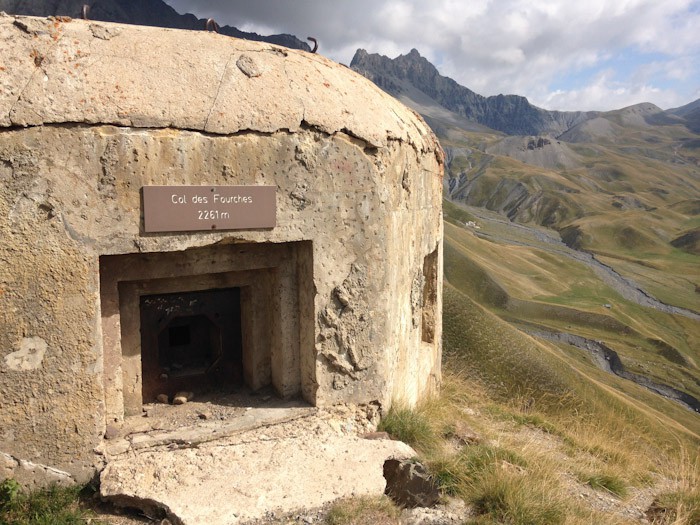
212	25
85	11
312	39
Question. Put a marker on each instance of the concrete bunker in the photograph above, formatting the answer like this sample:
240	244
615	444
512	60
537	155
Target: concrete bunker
337	300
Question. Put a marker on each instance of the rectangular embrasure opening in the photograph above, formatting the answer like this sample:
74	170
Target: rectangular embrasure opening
219	317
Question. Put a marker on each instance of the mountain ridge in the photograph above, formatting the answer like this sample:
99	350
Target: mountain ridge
510	114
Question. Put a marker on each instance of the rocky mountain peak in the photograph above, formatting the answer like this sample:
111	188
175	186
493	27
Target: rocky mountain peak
411	65
511	114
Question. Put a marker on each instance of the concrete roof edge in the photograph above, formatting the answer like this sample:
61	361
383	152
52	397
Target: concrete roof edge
59	70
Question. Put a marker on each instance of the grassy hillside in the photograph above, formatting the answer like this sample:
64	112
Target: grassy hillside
531	432
608	363
560	439
529	286
575	422
624	186
527	432
550	417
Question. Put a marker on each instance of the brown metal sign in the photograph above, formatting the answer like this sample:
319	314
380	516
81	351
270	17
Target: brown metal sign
196	208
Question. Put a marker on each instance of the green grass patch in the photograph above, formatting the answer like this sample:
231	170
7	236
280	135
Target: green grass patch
52	506
517	500
608	482
455	213
461	473
525	419
409	426
609	454
478	459
449	475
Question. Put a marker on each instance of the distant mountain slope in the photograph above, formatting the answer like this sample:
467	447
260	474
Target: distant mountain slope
686	110
142	12
690	113
510	114
624	185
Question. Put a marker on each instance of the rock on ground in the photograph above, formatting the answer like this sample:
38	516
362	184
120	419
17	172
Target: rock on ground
409	484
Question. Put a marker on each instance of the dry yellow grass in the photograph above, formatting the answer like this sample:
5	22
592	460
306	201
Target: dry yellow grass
578	434
363	510
535	466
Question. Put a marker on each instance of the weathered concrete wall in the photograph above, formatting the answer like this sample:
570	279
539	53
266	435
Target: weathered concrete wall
90	113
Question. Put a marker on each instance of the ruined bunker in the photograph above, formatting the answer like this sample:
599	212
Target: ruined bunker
183	211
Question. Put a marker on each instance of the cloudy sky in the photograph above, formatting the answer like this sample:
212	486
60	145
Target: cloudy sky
560	54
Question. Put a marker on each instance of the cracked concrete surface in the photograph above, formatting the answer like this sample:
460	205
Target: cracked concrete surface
304	463
87	78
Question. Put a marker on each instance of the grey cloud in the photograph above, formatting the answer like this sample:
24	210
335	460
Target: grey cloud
491	46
